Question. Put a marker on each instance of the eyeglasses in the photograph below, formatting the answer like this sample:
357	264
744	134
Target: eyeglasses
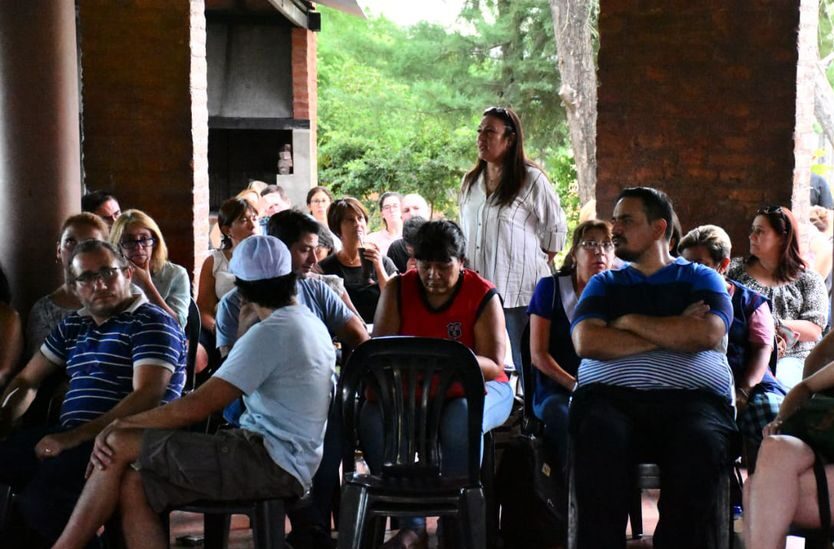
107	274
504	115
605	245
133	244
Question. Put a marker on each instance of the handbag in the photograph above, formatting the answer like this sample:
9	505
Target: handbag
813	424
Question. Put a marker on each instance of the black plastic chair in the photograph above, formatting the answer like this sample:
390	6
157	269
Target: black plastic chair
266	518
192	335
399	371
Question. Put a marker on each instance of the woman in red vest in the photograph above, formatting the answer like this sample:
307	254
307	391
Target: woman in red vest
442	299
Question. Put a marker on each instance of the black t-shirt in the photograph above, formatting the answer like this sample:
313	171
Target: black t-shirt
399	255
363	295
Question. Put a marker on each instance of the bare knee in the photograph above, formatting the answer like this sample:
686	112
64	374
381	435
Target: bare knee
125	444
784	453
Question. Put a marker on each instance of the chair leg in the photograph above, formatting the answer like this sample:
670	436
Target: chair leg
268	524
352	516
635	514
724	509
216	528
573	511
6	495
488	482
471	519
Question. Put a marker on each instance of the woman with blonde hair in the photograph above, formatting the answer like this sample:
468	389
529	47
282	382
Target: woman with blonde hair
165	284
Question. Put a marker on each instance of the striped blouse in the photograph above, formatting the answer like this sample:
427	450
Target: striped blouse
504	243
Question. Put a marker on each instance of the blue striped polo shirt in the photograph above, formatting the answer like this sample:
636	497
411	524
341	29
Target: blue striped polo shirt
99	359
667	292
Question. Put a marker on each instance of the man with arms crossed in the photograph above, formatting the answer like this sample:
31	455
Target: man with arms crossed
654	384
143	465
122	355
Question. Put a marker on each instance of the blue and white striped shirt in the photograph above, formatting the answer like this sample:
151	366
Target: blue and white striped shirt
667	292
100	359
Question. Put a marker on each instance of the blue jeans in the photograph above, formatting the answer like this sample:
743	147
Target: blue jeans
454	439
553	411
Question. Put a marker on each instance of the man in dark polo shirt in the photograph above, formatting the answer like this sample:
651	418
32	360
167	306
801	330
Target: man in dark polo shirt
122	355
654	383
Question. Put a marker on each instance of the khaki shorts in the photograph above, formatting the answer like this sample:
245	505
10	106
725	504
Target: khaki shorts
179	467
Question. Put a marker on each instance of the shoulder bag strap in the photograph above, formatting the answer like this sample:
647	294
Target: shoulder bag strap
822	496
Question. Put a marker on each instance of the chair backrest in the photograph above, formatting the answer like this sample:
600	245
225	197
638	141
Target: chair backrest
192	334
409	378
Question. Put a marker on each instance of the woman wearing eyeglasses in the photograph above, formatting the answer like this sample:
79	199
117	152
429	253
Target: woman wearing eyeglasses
798	296
319	200
551	312
165	284
511	218
51	309
390	208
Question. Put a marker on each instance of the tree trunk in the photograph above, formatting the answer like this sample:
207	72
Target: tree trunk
575	53
824	104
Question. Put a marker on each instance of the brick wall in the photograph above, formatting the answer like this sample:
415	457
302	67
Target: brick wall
699	99
142	65
305	88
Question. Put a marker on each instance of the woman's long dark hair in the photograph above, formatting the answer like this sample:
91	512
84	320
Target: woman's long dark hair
230	211
782	221
514	169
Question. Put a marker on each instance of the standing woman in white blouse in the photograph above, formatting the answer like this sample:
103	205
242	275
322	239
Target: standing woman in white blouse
511	218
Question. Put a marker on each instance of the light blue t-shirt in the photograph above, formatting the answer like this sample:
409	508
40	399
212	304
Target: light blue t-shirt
284	366
310	292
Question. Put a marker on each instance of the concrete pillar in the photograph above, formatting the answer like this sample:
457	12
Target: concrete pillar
40	174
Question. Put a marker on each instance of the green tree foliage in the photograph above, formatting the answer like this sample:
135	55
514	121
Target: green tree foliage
399	106
825	35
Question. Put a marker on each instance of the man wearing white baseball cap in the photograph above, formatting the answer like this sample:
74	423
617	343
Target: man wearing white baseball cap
143	465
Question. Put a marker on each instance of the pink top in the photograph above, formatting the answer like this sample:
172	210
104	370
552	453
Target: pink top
382	239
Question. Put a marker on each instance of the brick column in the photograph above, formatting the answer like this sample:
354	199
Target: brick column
699	99
40	171
305	89
145	129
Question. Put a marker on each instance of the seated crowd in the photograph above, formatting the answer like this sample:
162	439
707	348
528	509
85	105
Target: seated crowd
650	343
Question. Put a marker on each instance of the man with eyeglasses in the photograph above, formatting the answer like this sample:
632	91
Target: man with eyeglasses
145	464
653	385
122	355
